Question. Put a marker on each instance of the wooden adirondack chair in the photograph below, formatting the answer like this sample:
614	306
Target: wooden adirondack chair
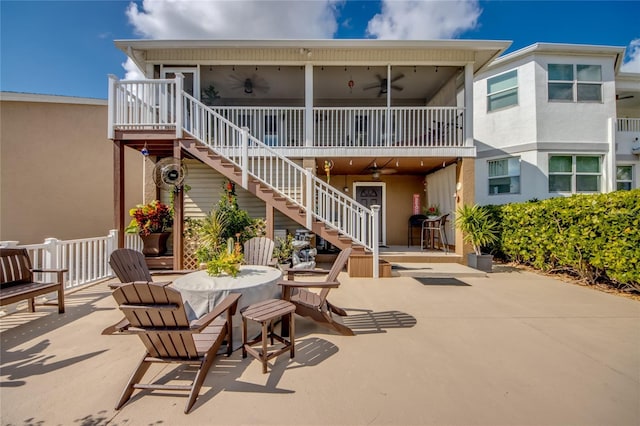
259	251
315	305
156	314
129	266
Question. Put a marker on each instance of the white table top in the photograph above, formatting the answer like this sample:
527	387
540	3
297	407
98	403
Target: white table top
202	292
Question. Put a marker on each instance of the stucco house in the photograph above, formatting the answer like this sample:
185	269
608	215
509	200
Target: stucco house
331	128
554	120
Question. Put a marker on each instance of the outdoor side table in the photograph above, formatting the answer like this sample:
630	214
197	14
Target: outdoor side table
265	313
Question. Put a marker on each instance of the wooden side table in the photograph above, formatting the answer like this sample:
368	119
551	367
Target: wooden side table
265	313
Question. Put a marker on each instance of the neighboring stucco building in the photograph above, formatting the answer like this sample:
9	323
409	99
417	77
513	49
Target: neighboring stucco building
554	120
56	169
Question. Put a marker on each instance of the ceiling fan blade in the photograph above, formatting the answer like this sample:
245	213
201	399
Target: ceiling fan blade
398	88
398	77
618	98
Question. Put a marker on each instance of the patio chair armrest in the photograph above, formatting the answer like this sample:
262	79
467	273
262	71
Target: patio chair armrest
172	272
58	272
119	326
229	304
291	273
309	284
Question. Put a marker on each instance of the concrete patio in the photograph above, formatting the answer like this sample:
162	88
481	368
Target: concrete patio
509	348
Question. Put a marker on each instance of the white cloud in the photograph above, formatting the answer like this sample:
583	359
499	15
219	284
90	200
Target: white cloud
132	72
424	20
632	57
237	19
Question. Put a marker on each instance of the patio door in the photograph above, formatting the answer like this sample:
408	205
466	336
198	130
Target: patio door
373	193
191	78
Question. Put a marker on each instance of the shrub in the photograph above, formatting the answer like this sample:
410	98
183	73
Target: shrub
596	237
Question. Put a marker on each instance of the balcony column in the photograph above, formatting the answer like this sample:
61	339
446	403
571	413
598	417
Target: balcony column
610	165
308	105
468	104
387	117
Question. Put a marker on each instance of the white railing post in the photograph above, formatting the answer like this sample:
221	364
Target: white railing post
111	111
375	238
309	197
51	260
9	244
245	157
110	246
179	105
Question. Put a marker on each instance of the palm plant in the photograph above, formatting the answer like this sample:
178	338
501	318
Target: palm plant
478	227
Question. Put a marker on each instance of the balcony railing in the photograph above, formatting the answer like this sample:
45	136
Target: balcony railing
631	125
152	104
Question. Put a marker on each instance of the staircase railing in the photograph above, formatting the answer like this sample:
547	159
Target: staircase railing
298	185
162	104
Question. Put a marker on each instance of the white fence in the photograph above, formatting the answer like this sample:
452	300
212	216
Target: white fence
87	259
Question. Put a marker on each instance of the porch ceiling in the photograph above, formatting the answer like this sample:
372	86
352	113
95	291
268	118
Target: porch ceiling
386	165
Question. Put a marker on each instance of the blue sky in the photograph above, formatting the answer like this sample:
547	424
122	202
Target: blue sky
66	47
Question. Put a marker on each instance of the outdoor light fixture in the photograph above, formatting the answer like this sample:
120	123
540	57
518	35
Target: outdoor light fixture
145	151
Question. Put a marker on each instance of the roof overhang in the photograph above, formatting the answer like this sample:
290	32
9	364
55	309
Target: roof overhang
404	52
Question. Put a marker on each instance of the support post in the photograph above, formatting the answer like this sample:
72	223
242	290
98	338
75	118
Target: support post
179	104
245	157
309	198
118	190
51	258
270	219
375	236
468	105
308	105
178	217
111	109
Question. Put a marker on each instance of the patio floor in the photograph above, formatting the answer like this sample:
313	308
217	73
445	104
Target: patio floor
508	348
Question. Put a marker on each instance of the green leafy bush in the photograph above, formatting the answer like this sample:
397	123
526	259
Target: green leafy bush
596	236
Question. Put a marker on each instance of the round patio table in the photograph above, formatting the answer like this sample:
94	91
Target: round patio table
202	292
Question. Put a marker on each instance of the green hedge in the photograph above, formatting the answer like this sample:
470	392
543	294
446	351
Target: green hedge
594	236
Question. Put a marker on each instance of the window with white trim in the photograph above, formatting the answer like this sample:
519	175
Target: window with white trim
624	177
575	83
504	176
502	91
575	173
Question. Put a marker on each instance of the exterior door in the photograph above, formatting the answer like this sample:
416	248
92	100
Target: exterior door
369	194
191	79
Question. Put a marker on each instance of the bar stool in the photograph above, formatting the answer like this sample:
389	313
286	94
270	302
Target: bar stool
265	313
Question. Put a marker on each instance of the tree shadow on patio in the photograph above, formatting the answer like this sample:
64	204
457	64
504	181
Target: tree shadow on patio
29	362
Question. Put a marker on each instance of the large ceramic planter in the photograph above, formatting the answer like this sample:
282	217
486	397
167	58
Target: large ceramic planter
155	244
481	262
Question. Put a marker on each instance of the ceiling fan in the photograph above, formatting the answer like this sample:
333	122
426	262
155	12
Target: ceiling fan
381	85
376	171
249	84
619	98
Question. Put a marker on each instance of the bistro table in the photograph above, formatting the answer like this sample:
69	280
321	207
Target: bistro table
202	292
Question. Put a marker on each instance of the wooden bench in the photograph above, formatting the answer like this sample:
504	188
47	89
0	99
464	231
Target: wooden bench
17	283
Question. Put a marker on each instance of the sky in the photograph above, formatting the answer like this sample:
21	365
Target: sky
66	47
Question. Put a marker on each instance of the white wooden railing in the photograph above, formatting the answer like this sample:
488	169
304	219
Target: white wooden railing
260	161
397	126
87	259
275	126
631	125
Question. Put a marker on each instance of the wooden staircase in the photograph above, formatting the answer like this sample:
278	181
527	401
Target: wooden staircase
271	197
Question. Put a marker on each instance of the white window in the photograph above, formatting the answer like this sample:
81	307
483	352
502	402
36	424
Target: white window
575	83
624	177
502	91
504	176
575	173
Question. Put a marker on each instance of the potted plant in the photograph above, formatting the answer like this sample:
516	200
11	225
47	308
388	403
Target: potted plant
478	229
283	251
152	221
432	211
